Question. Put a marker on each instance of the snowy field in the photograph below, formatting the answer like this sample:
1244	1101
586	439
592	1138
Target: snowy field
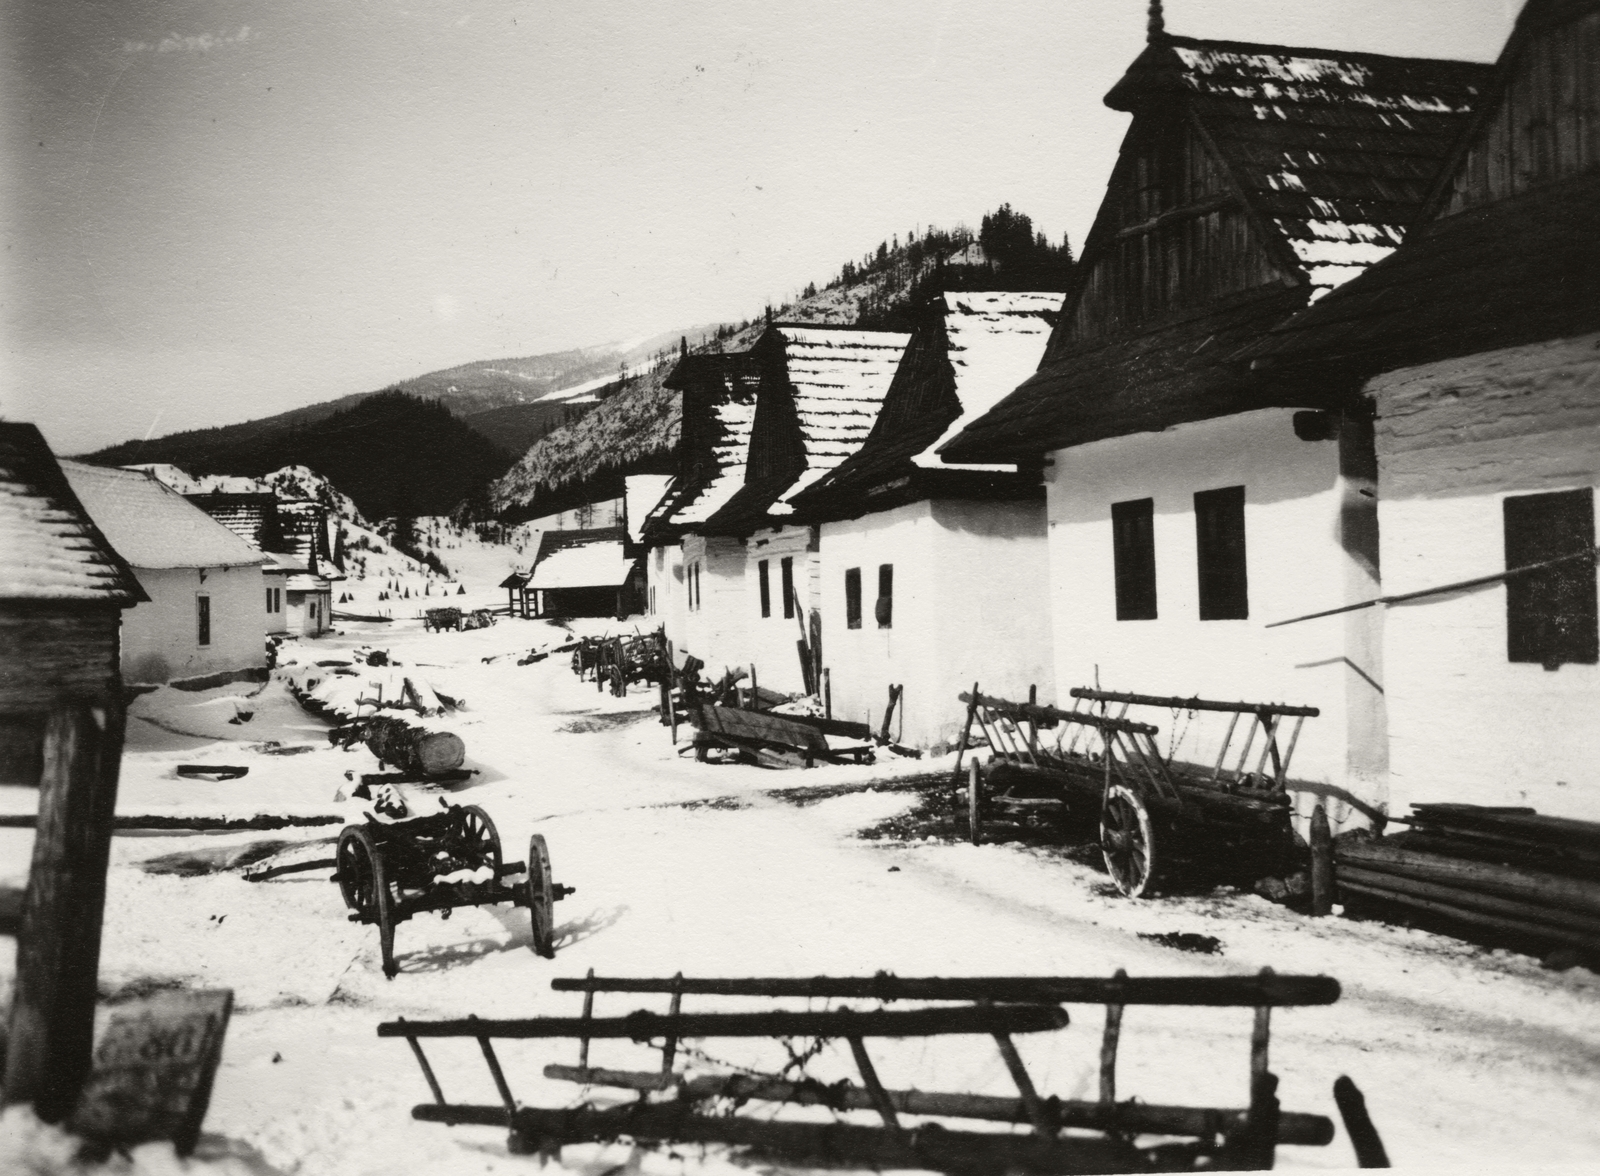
1469	1059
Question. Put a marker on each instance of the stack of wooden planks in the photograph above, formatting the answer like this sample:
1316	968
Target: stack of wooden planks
1509	873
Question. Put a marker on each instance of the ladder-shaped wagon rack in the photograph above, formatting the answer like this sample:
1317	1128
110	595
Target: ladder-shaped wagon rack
671	1105
1147	802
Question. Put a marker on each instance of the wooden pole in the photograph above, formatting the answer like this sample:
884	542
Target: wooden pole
1108	1048
1364	1137
1321	864
827	693
58	946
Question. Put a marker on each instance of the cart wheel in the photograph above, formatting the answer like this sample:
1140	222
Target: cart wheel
354	857
366	890
974	802
479	839
1127	839
540	896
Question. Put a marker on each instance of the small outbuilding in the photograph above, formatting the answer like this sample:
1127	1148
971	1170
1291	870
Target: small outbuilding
585	574
204	585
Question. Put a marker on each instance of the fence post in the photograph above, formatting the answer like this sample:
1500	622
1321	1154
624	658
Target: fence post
58	944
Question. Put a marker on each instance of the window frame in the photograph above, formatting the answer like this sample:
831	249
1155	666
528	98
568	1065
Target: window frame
202	619
883	607
852	598
1222	554
1133	560
1551	614
786	570
764	584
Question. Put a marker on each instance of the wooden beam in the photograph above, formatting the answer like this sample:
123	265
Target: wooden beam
643	1026
58	943
1188	212
1217	991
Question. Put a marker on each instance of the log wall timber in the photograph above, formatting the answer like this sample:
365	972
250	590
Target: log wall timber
58	946
1546	124
51	652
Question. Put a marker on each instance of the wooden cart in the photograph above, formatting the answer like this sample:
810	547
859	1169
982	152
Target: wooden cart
388	873
1152	810
678	1102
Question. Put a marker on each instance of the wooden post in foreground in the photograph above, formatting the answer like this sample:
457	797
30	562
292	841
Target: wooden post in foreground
58	948
1321	864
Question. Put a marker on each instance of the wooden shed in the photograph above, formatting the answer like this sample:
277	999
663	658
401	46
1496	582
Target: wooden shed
62	592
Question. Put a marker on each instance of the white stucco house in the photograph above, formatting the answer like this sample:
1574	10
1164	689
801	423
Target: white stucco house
206	609
934	576
1193	500
1476	346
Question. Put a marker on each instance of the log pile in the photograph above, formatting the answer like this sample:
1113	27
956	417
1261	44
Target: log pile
403	744
1507	873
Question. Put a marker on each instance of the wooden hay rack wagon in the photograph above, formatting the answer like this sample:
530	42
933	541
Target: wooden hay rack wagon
1152	809
389	872
440	619
675	1103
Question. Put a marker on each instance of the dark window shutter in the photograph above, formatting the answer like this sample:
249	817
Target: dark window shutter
1220	550
1133	552
852	598
883	611
1550	614
787	568
766	588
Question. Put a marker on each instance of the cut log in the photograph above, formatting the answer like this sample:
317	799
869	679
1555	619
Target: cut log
1536	917
1468	915
1532	886
410	748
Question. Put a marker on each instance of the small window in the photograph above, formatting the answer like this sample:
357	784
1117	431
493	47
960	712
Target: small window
269	599
1219	545
788	587
883	610
765	580
1550	614
1133	553
852	598
203	619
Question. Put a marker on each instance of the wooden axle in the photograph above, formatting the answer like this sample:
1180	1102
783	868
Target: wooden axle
1226	991
1140	1118
642	1025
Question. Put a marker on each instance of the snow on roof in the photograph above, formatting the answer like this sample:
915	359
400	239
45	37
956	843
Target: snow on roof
996	339
839	378
153	526
1336	149
52	549
586	565
731	453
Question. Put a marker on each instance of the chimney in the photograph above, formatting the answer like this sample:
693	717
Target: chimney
1156	30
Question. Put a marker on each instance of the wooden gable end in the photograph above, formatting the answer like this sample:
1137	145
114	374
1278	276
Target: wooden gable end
777	448
922	397
1544	123
1173	234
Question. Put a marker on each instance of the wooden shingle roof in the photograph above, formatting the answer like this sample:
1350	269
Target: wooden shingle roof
52	549
719	407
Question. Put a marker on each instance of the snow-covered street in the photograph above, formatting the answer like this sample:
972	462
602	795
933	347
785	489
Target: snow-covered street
1468	1058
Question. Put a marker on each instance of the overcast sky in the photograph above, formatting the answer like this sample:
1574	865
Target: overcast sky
214	210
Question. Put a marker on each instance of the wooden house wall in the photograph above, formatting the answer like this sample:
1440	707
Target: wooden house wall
1546	123
777	449
55	653
1171	236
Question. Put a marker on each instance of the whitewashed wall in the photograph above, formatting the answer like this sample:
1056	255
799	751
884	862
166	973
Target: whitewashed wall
306	612
1454	440
160	639
664	572
970	604
771	640
276	620
1298	510
715	631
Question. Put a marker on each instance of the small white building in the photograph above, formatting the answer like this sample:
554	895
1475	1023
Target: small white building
1193	501
933	577
205	614
1477	345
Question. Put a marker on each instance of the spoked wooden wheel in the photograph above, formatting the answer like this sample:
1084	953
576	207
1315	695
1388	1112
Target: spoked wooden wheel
1128	841
366	890
975	802
478	840
540	897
